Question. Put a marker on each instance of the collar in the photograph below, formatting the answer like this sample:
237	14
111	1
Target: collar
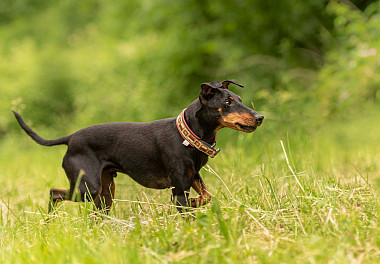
193	140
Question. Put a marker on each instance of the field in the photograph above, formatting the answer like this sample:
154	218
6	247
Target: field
290	196
303	188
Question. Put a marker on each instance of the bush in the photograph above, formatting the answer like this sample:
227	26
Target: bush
351	75
79	63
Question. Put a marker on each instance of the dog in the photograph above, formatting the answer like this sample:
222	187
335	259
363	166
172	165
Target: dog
166	153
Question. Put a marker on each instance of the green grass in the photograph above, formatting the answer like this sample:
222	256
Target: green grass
324	212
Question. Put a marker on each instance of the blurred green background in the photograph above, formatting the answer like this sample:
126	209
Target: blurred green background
69	64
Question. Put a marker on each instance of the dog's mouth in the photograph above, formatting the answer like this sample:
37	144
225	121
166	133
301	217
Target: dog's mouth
245	128
242	122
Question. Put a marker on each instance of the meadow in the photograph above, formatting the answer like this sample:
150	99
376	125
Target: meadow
286	197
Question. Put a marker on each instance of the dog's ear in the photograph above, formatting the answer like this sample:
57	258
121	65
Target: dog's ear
208	90
227	82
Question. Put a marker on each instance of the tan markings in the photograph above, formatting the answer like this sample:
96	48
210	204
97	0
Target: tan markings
198	186
103	200
96	199
204	196
230	121
199	201
190	174
218	128
231	98
57	195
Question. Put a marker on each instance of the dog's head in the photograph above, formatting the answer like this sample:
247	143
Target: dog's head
227	107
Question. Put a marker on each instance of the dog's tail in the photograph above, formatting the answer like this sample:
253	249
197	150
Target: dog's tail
37	138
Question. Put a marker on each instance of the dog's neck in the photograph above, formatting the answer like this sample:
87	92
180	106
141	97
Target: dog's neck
202	127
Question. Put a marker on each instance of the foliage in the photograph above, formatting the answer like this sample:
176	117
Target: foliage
60	61
351	76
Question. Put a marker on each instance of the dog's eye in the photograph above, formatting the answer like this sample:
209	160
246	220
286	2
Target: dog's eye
227	102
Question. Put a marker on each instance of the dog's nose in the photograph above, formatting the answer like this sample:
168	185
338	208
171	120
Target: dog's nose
259	119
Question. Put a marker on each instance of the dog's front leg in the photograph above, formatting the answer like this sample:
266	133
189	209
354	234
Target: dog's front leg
181	180
204	195
180	198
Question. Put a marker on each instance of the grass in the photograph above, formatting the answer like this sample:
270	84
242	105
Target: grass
314	200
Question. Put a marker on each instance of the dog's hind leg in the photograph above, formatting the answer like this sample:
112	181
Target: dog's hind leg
104	200
56	195
84	174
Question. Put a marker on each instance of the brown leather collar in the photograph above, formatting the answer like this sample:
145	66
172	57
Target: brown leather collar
193	140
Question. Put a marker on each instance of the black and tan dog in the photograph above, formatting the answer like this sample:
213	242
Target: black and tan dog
166	153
